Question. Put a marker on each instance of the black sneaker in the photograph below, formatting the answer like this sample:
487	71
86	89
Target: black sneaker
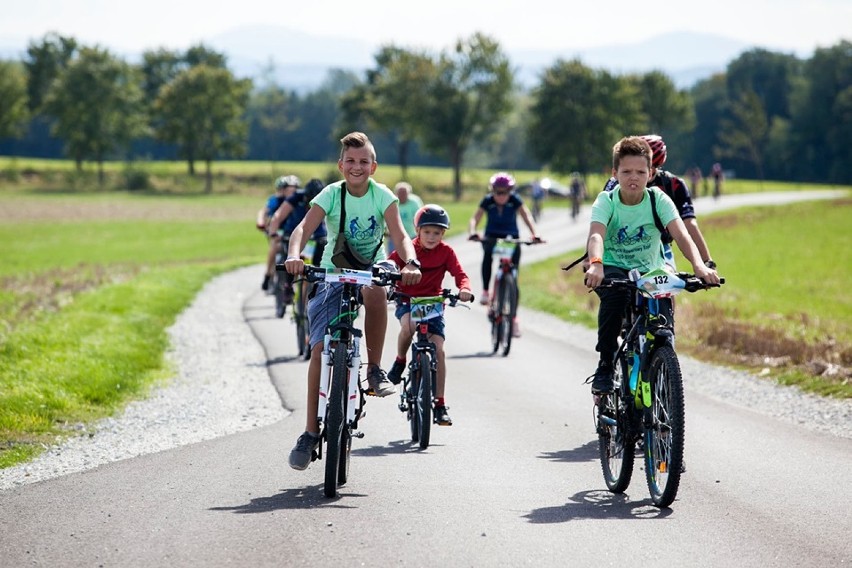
304	452
265	285
441	416
602	380
395	373
378	382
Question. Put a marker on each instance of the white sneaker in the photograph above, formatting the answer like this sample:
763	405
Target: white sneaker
485	299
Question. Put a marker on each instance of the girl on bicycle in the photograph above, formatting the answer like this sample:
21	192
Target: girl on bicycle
436	259
501	206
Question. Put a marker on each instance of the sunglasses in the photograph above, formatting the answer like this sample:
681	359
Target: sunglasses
500	192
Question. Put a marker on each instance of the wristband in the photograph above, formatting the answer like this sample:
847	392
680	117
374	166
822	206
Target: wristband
595	260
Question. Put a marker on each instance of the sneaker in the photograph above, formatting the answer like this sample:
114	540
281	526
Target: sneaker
516	328
304	452
378	382
395	373
602	381
265	285
484	299
441	416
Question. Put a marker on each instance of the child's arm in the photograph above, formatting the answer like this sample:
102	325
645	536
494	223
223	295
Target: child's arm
594	246
528	221
299	237
260	223
455	269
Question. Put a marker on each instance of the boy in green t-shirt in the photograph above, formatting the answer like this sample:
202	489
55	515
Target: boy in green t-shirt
623	236
369	208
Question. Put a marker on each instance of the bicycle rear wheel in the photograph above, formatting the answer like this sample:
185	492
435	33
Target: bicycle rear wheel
664	440
278	291
335	415
496	318
300	318
508	309
411	398
423	398
615	438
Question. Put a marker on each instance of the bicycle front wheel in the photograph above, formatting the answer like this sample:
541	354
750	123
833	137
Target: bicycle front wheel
278	290
300	318
423	398
335	415
508	309
615	438
664	440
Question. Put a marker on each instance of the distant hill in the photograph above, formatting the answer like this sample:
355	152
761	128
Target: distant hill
300	61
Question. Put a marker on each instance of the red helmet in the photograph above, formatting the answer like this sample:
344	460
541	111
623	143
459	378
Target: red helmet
658	147
432	214
501	180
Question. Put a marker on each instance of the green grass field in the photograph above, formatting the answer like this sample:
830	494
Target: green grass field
90	279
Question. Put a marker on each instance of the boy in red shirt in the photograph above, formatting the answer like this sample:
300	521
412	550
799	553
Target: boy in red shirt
436	258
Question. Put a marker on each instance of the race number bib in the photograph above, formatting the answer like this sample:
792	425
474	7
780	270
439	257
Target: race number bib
660	283
504	250
426	308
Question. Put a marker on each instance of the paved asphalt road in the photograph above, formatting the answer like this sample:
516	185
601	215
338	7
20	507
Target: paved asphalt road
515	481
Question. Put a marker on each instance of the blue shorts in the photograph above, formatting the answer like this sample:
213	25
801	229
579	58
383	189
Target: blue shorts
436	325
322	308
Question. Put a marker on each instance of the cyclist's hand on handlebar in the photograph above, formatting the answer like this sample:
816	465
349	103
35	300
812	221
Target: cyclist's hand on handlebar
474	237
260	227
594	276
707	275
536	239
465	296
410	275
295	265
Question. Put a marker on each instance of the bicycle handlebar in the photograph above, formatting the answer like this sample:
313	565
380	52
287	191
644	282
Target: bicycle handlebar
482	239
693	283
445	293
381	276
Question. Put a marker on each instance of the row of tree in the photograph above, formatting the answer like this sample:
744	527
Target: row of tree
769	115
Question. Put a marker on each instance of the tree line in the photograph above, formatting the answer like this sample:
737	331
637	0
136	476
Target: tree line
768	116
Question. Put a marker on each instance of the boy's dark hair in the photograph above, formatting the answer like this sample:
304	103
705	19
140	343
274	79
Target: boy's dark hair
631	146
356	140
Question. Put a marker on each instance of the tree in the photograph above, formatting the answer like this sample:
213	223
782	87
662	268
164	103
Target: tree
747	132
44	61
202	111
578	114
271	115
13	99
667	110
468	96
97	104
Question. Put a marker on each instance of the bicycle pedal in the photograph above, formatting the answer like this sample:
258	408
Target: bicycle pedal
357	434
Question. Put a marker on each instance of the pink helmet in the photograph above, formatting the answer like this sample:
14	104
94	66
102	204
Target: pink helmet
501	180
658	147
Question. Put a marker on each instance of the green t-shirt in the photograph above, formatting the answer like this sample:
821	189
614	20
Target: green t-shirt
407	211
632	239
364	225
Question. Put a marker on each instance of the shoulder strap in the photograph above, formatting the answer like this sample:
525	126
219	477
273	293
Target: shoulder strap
342	206
657	222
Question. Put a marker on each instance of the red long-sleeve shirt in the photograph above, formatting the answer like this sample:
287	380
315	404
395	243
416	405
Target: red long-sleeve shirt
434	264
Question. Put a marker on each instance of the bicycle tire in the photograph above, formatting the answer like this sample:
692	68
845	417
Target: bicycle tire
335	414
423	398
300	317
508	309
278	291
411	398
664	441
496	321
615	440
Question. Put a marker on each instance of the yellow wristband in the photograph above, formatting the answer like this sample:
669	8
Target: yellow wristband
595	260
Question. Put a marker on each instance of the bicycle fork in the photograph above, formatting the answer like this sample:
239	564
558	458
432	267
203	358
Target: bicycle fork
353	363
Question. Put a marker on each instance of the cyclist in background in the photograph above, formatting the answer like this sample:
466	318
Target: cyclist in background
284	188
436	259
578	193
501	206
677	190
290	214
623	235
409	204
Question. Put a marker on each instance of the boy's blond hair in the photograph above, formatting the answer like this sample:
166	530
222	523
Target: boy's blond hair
631	146
356	140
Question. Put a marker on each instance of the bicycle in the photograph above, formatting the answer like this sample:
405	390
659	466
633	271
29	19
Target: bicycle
278	285
301	292
647	402
341	397
417	399
504	300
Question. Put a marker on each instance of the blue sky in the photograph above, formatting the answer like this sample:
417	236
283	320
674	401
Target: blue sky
785	25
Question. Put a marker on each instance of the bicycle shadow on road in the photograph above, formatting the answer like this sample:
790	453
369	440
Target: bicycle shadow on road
588	452
597	504
307	497
480	355
397	447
